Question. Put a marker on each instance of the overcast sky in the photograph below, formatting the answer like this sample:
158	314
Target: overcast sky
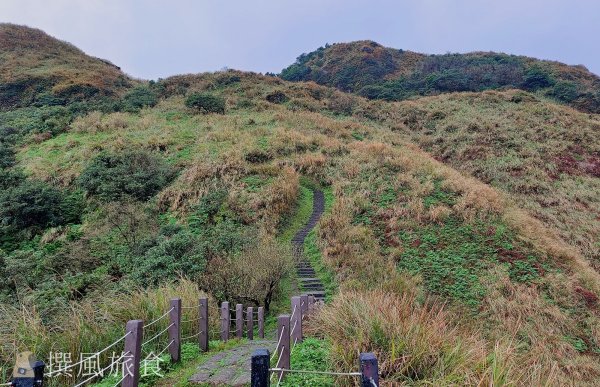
157	38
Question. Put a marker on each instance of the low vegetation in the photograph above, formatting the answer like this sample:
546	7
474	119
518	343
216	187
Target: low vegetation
377	72
448	279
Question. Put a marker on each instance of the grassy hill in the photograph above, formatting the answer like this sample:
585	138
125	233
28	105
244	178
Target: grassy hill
448	279
38	69
377	72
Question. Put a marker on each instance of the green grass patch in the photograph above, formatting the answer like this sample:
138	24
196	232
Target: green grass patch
452	257
292	224
312	354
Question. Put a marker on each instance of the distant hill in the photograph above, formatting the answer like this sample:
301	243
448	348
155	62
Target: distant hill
378	72
36	68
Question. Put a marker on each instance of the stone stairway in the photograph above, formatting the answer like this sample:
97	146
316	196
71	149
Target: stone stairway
309	282
232	367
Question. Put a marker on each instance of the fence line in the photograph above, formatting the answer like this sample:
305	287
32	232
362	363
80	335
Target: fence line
158	319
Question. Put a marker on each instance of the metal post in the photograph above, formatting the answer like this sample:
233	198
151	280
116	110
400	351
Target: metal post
132	353
260	368
250	323
239	321
225	321
369	370
296	320
203	324
175	330
261	322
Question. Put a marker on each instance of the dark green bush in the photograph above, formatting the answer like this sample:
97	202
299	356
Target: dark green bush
7	155
565	91
206	103
180	254
34	206
137	174
277	97
138	98
537	78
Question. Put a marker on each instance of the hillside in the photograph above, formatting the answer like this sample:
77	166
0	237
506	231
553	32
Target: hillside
456	261
545	156
37	68
377	72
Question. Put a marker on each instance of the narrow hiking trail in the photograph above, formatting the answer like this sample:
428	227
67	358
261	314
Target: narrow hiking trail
309	283
232	367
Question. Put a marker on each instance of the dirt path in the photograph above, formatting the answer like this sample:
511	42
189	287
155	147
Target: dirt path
232	367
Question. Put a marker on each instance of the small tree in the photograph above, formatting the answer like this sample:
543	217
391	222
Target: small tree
206	103
253	276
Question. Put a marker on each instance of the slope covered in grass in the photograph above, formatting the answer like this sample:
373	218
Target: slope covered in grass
401	222
545	156
37	68
374	71
450	280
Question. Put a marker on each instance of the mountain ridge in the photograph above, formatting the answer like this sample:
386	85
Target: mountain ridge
377	72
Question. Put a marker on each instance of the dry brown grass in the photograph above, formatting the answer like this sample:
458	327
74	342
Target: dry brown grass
90	325
416	345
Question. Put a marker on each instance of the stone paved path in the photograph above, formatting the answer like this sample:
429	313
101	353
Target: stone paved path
309	282
231	367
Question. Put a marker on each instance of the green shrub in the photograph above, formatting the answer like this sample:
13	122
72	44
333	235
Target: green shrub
136	174
180	254
277	97
565	91
138	98
34	206
537	78
206	103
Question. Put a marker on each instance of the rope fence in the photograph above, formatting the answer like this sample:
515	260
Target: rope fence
290	334
194	328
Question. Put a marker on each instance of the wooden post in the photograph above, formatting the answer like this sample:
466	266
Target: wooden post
260	368
296	320
369	370
132	353
283	350
261	322
203	324
239	321
175	330
311	304
250	323
225	321
304	303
